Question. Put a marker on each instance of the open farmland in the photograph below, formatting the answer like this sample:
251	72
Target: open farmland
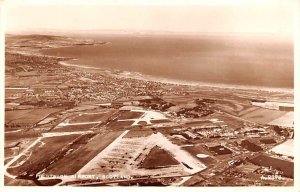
16	114
287	120
179	100
231	107
34	116
263	116
247	110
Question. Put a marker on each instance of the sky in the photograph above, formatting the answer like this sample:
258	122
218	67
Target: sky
271	16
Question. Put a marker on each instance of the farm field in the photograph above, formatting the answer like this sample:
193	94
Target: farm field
247	110
287	120
263	116
231	107
33	116
179	100
12	115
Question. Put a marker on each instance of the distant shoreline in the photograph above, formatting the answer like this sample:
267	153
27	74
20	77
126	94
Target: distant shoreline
144	77
201	62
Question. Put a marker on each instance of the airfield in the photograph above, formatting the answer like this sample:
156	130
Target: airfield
72	127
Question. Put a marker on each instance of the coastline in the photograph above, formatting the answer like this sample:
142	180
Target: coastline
66	89
144	77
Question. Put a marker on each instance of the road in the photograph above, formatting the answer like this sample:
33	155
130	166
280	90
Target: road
17	157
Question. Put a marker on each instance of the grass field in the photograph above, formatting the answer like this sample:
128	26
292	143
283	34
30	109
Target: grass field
42	154
267	141
18	182
195	150
231	107
250	146
87	118
263	116
247	110
92	117
33	116
12	115
71	128
282	165
286	148
158	158
21	135
129	115
120	124
228	120
178	100
220	150
287	120
160	121
138	133
75	160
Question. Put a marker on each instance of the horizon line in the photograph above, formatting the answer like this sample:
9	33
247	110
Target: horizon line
140	32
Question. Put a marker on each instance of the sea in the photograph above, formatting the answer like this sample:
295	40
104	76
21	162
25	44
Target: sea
237	60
